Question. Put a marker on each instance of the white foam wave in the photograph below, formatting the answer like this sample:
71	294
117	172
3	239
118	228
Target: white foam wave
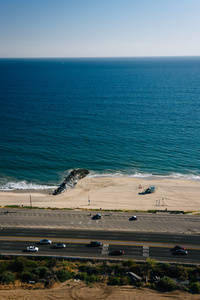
147	176
24	185
184	176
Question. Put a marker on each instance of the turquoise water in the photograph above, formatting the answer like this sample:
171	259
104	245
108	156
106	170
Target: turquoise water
121	116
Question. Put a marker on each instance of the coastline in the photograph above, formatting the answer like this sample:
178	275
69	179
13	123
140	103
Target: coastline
113	193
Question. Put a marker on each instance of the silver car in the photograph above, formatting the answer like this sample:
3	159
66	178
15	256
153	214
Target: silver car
32	248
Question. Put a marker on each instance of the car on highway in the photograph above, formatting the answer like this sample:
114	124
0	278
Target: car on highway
60	245
133	218
95	244
32	249
180	252
117	252
45	242
177	247
97	217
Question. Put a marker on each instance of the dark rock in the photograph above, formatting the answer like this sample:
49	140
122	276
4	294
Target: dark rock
71	180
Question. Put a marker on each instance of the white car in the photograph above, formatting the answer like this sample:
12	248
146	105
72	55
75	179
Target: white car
32	248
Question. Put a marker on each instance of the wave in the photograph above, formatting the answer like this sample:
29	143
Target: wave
24	185
147	176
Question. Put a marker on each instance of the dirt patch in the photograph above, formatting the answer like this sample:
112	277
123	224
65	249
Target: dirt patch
71	290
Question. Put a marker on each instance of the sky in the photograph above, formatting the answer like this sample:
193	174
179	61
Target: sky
99	28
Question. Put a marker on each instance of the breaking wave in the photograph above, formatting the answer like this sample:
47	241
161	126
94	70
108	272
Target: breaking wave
23	185
147	176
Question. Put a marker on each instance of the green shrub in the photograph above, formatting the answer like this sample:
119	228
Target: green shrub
92	270
18	264
129	263
125	280
51	262
166	268
119	271
195	287
91	279
3	266
81	276
7	278
41	272
27	276
139	284
167	284
150	263
82	268
113	281
182	273
64	275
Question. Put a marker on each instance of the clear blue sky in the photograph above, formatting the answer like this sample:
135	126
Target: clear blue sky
99	28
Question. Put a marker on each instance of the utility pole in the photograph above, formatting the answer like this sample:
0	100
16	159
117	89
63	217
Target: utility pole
30	201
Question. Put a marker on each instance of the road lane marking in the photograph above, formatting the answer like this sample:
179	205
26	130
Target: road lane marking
105	250
146	251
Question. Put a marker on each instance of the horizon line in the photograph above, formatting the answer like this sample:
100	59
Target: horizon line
100	57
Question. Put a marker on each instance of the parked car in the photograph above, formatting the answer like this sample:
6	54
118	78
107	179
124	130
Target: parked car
117	252
60	245
32	248
97	216
180	252
95	244
133	218
177	247
45	242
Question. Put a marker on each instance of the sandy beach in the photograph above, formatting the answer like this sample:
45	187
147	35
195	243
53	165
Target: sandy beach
113	193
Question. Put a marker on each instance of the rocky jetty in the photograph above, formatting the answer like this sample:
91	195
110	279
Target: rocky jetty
71	180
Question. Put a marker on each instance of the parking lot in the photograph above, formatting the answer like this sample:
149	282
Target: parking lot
119	221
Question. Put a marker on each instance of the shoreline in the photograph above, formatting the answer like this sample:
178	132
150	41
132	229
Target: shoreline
113	193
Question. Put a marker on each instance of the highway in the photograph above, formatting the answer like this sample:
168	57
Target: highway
152	235
137	246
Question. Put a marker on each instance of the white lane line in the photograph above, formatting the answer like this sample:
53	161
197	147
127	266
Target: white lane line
105	250
146	251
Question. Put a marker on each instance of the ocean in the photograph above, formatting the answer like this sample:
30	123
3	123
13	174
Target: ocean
136	117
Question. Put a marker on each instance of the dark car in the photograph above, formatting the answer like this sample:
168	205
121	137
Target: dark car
133	218
97	217
95	244
59	245
180	252
117	252
177	248
45	242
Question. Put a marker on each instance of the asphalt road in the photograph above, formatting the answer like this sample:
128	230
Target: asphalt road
152	235
82	220
137	246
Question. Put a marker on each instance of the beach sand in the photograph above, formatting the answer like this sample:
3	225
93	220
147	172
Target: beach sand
113	193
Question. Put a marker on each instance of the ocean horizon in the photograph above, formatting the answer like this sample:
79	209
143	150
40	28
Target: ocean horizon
136	117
